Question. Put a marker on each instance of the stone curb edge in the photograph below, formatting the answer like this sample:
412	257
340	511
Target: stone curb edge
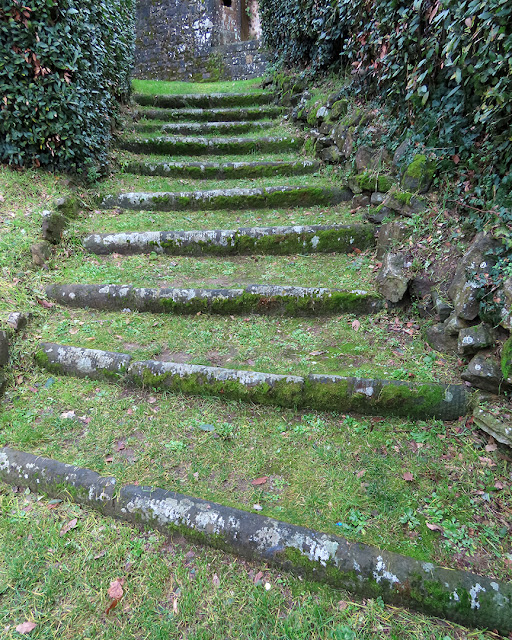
460	596
315	391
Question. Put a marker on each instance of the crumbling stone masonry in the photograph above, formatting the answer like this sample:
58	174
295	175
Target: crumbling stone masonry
199	40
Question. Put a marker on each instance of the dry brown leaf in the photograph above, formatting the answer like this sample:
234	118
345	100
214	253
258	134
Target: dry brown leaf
361	473
408	477
259	481
356	325
70	525
26	627
115	591
434	527
216	580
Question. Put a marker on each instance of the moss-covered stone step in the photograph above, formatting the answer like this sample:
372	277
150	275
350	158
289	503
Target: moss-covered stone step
205	128
259	299
210	115
321	392
466	598
205	100
197	146
218	199
222	170
245	241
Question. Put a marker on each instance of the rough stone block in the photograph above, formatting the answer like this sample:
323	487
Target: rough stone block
390	234
485	373
392	279
41	253
474	339
4	348
439	340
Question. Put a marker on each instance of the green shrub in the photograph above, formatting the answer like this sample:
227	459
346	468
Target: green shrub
442	66
64	66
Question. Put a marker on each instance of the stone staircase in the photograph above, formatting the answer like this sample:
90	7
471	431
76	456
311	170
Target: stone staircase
267	156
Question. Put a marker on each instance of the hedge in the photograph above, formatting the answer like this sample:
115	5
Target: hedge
444	66
64	67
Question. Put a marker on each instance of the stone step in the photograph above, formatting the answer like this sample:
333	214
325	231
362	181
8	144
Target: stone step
315	391
222	170
205	128
205	100
197	146
247	241
218	199
211	115
258	299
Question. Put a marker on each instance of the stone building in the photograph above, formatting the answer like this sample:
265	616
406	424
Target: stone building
198	40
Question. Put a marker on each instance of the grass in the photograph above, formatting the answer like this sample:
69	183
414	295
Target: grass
276	131
172	590
337	473
113	220
159	87
337	271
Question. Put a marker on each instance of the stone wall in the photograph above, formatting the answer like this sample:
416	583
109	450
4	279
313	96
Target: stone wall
197	40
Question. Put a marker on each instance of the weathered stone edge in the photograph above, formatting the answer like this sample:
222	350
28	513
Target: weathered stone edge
259	198
245	241
205	100
322	392
220	114
258	299
219	170
362	569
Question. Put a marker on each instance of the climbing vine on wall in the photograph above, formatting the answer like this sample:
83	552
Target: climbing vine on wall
444	66
64	66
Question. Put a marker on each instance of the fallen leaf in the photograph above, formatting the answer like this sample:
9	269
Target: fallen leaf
342	605
498	485
45	303
115	591
408	477
109	459
491	447
356	325
74	331
26	627
216	580
120	446
152	400
70	525
67	415
361	473
434	527
258	577
259	481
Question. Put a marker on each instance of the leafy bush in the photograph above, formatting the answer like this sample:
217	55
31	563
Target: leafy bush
64	66
443	66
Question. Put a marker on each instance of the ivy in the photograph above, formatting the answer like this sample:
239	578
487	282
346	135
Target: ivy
443	67
64	67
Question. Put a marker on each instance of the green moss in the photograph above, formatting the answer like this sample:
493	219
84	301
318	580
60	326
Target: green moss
338	109
369	181
506	359
397	399
419	174
310	147
311	117
403	197
282	393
